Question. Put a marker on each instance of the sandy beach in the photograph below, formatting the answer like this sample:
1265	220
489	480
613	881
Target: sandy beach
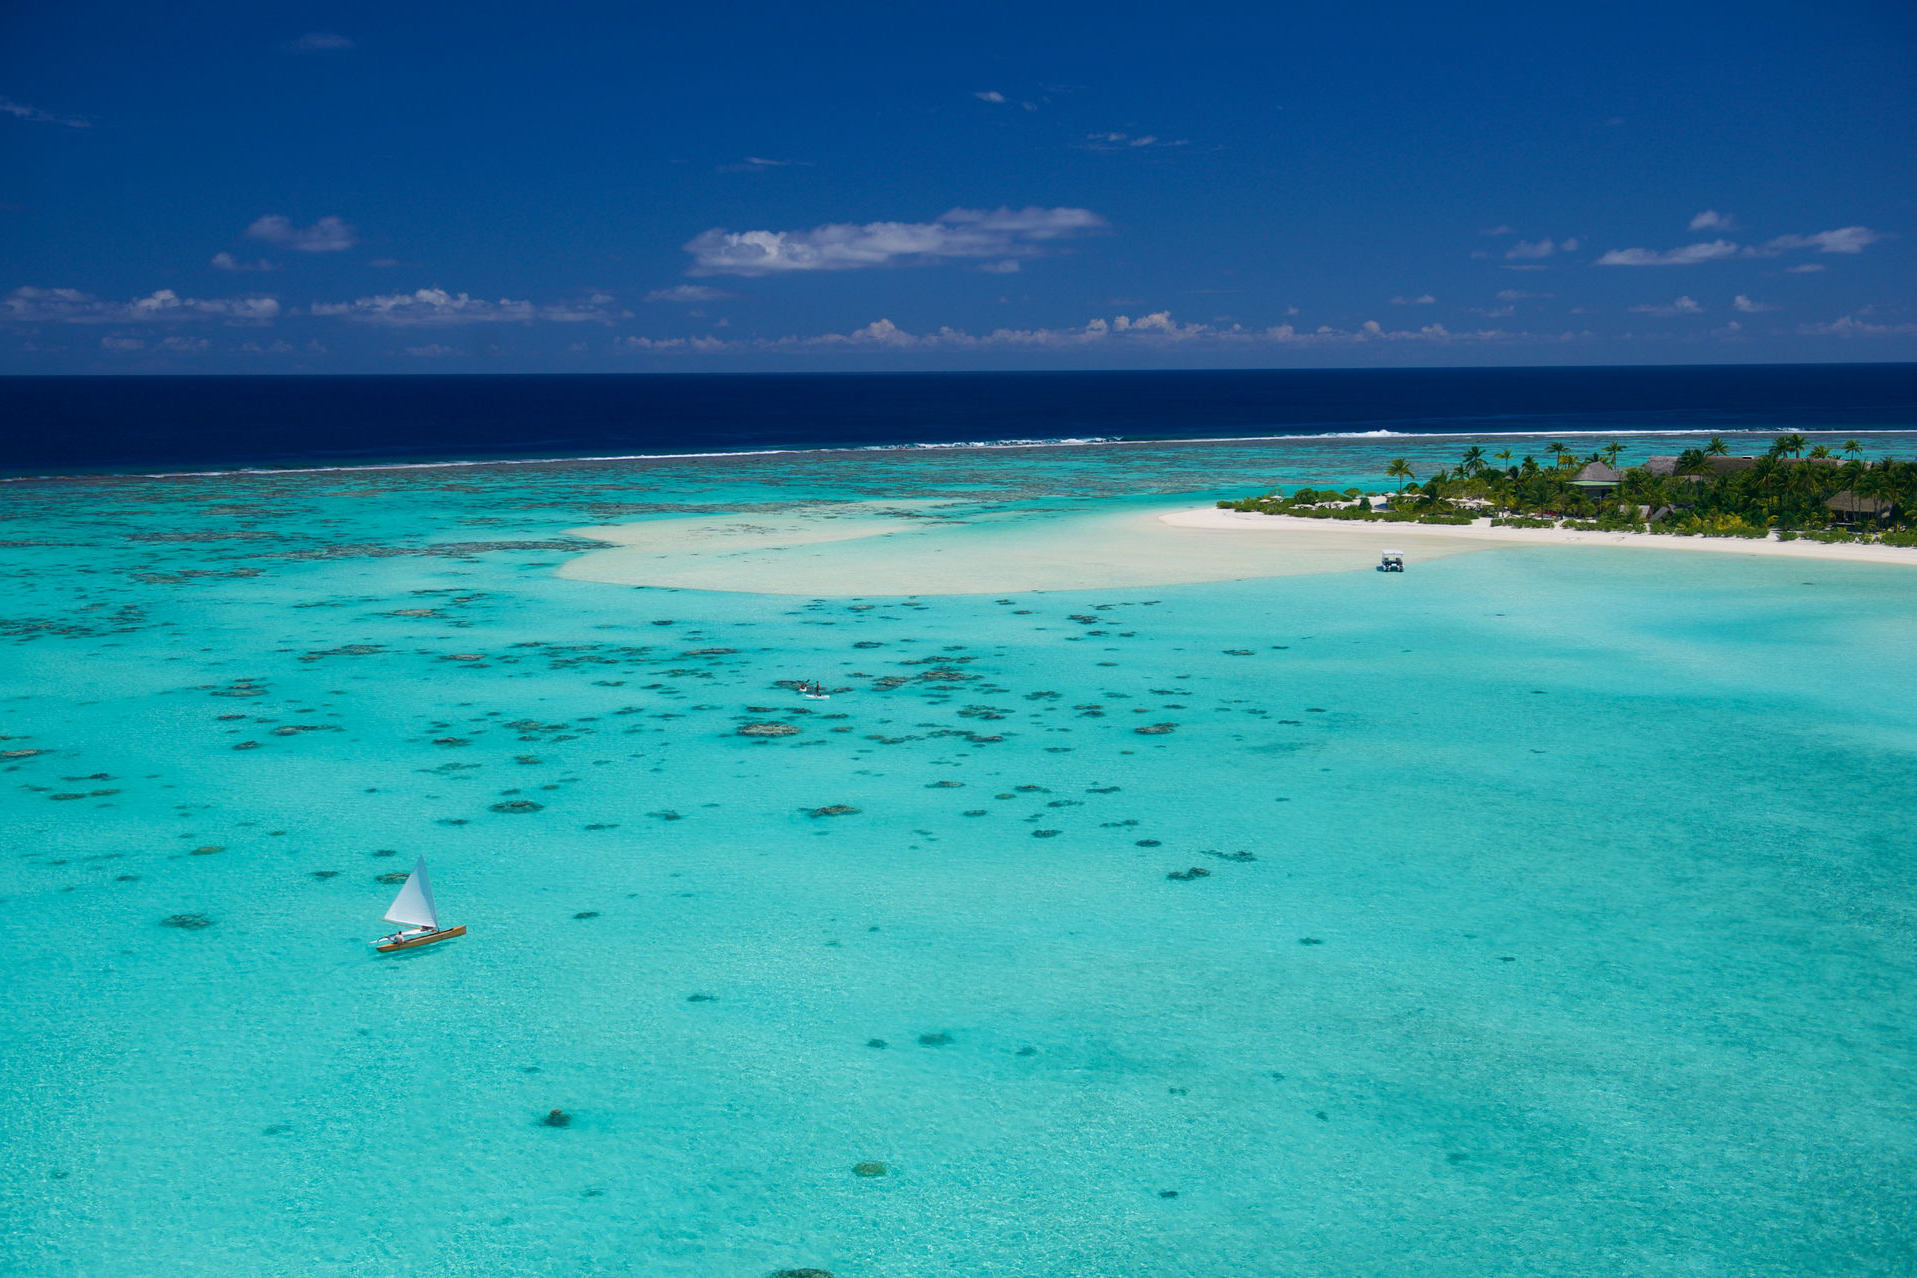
1312	531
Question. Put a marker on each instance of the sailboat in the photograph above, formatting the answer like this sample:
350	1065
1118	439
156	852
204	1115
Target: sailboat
414	907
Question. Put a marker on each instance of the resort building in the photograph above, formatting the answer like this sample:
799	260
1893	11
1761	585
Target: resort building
1847	507
1597	479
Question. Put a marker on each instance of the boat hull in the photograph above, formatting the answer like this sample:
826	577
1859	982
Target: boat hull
414	942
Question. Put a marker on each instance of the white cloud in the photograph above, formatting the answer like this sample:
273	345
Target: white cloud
1681	306
177	345
842	246
432	351
227	262
70	306
687	293
1009	266
1851	326
328	235
1712	220
703	345
21	110
1531	248
1519	295
1128	141
1846	239
311	346
1689	255
1155	329
1497	230
435	306
318	42
1804	268
989	95
1749	307
759	164
1423	299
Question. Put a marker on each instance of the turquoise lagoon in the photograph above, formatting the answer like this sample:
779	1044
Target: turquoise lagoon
1557	918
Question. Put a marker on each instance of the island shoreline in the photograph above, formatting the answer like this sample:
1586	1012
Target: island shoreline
1216	519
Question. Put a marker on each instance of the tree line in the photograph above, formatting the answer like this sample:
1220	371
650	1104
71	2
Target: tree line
1787	491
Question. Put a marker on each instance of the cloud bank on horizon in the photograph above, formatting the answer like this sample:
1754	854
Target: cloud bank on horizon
215	193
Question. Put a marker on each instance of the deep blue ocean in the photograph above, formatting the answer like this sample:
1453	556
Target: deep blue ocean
93	424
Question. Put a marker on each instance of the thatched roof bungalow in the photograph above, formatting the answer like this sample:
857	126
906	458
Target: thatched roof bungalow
1848	506
1597	479
1665	464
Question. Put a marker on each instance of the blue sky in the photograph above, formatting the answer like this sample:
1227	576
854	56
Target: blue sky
614	187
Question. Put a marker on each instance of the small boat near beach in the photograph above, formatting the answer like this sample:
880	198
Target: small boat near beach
1391	561
414	907
814	691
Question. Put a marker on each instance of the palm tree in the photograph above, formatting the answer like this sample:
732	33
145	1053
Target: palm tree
1690	462
1877	482
1610	453
1717	447
1853	449
1473	461
1791	444
1503	454
1400	470
1820	452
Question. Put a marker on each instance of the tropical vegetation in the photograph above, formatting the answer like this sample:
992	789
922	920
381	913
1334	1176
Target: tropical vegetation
1794	489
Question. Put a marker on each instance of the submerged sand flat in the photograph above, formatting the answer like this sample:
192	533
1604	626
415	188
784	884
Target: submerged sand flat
824	553
866	548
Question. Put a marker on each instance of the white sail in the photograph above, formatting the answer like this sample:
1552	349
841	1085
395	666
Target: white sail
414	904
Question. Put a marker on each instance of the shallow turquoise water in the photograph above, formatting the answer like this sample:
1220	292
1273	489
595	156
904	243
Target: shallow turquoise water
1574	938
